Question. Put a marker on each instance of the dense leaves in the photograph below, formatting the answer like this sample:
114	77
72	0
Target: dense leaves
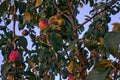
57	45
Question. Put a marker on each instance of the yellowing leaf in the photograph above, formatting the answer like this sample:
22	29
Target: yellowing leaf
38	3
70	67
33	66
10	77
116	27
27	16
101	41
81	5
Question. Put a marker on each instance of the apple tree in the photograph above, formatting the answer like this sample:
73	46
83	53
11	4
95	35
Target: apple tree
58	49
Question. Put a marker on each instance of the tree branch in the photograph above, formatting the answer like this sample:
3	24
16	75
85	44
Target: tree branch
13	33
80	25
14	21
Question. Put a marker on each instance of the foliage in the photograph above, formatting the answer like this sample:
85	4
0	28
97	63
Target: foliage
58	48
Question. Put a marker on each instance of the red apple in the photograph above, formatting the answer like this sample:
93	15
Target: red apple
25	32
14	55
43	24
71	77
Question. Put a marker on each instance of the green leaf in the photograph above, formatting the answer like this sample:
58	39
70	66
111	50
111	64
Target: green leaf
98	73
4	7
112	42
91	3
2	27
22	7
45	53
31	75
56	41
22	42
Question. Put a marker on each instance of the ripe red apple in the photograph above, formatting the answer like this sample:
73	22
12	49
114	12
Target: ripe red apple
14	55
43	24
25	32
71	77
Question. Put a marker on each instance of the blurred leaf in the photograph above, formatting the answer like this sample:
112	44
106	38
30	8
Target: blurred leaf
5	68
116	27
30	75
22	42
38	3
72	44
91	3
33	66
8	21
27	16
21	6
2	27
70	67
11	10
103	63
10	77
112	42
81	5
56	41
20	26
4	7
98	73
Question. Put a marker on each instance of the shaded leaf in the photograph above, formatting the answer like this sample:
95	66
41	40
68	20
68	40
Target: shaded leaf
56	41
112	42
4	7
22	42
22	7
98	73
5	68
91	3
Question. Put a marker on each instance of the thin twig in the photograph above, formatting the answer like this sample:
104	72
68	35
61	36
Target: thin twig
71	8
14	22
80	25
